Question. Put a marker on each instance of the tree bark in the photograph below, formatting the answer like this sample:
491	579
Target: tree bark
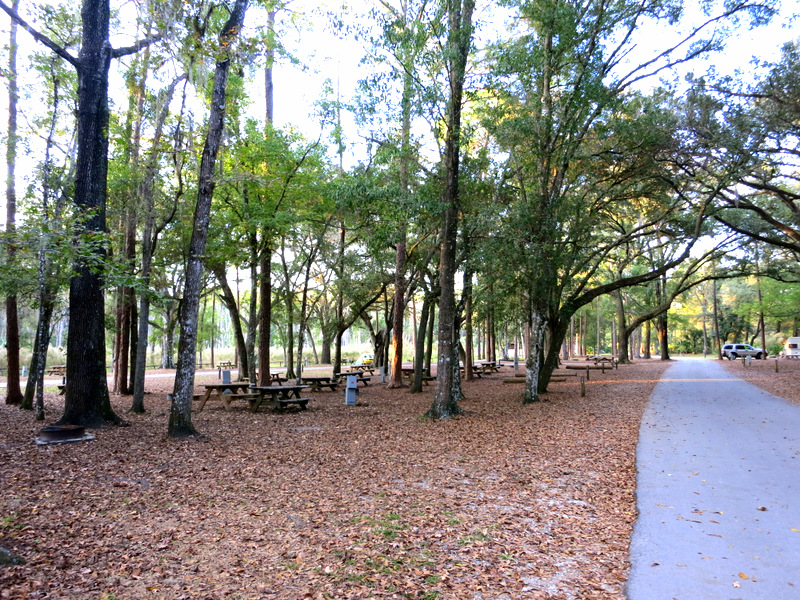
86	400
533	360
265	316
13	390
448	381
180	420
419	347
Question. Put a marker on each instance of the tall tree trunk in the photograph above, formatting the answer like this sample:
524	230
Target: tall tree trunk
533	361
398	311
419	347
46	295
448	381
265	260
662	323
180	419
429	338
624	334
252	318
265	316
86	400
716	317
13	390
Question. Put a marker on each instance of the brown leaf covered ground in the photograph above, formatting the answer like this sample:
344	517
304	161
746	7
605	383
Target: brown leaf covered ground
506	501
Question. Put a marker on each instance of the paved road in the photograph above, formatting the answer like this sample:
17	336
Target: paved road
718	491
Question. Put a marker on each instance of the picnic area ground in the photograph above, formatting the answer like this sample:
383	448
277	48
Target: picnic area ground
372	501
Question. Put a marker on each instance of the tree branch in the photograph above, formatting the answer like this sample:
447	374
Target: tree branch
118	52
39	37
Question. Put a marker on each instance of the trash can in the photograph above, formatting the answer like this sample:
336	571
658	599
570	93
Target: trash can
351	390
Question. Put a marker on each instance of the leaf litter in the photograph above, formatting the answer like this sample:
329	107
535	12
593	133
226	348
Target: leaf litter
505	502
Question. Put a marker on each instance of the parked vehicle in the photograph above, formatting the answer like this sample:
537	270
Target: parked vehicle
366	359
734	351
792	348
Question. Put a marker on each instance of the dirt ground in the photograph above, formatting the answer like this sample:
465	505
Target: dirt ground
372	501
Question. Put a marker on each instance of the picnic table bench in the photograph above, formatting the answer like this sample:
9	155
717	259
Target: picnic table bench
280	396
600	359
408	373
317	383
227	393
363	368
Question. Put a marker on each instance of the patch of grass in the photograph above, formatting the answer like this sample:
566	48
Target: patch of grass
477	536
389	526
10	521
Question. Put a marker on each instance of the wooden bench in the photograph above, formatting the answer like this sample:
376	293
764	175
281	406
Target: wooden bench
317	383
57	370
475	372
281	403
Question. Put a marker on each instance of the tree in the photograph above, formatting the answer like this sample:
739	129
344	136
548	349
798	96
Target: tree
150	233
562	92
756	128
13	390
180	420
86	400
459	41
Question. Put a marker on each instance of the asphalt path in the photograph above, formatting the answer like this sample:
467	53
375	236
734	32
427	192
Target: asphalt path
718	489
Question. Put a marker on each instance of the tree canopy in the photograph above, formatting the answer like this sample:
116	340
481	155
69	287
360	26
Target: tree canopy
507	177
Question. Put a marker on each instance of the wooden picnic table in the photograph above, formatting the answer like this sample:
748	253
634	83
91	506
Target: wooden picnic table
57	370
216	391
361	378
408	373
479	373
363	368
318	382
280	396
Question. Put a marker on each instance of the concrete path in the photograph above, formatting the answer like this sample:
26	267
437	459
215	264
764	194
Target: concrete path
718	490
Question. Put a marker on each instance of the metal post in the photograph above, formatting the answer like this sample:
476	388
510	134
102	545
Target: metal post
583	387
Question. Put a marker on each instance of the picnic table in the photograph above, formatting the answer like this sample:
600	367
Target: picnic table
225	364
488	366
57	370
278	378
600	359
318	382
361	378
217	391
280	396
363	368
408	373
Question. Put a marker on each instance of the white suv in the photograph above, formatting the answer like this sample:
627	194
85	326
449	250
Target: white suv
734	351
